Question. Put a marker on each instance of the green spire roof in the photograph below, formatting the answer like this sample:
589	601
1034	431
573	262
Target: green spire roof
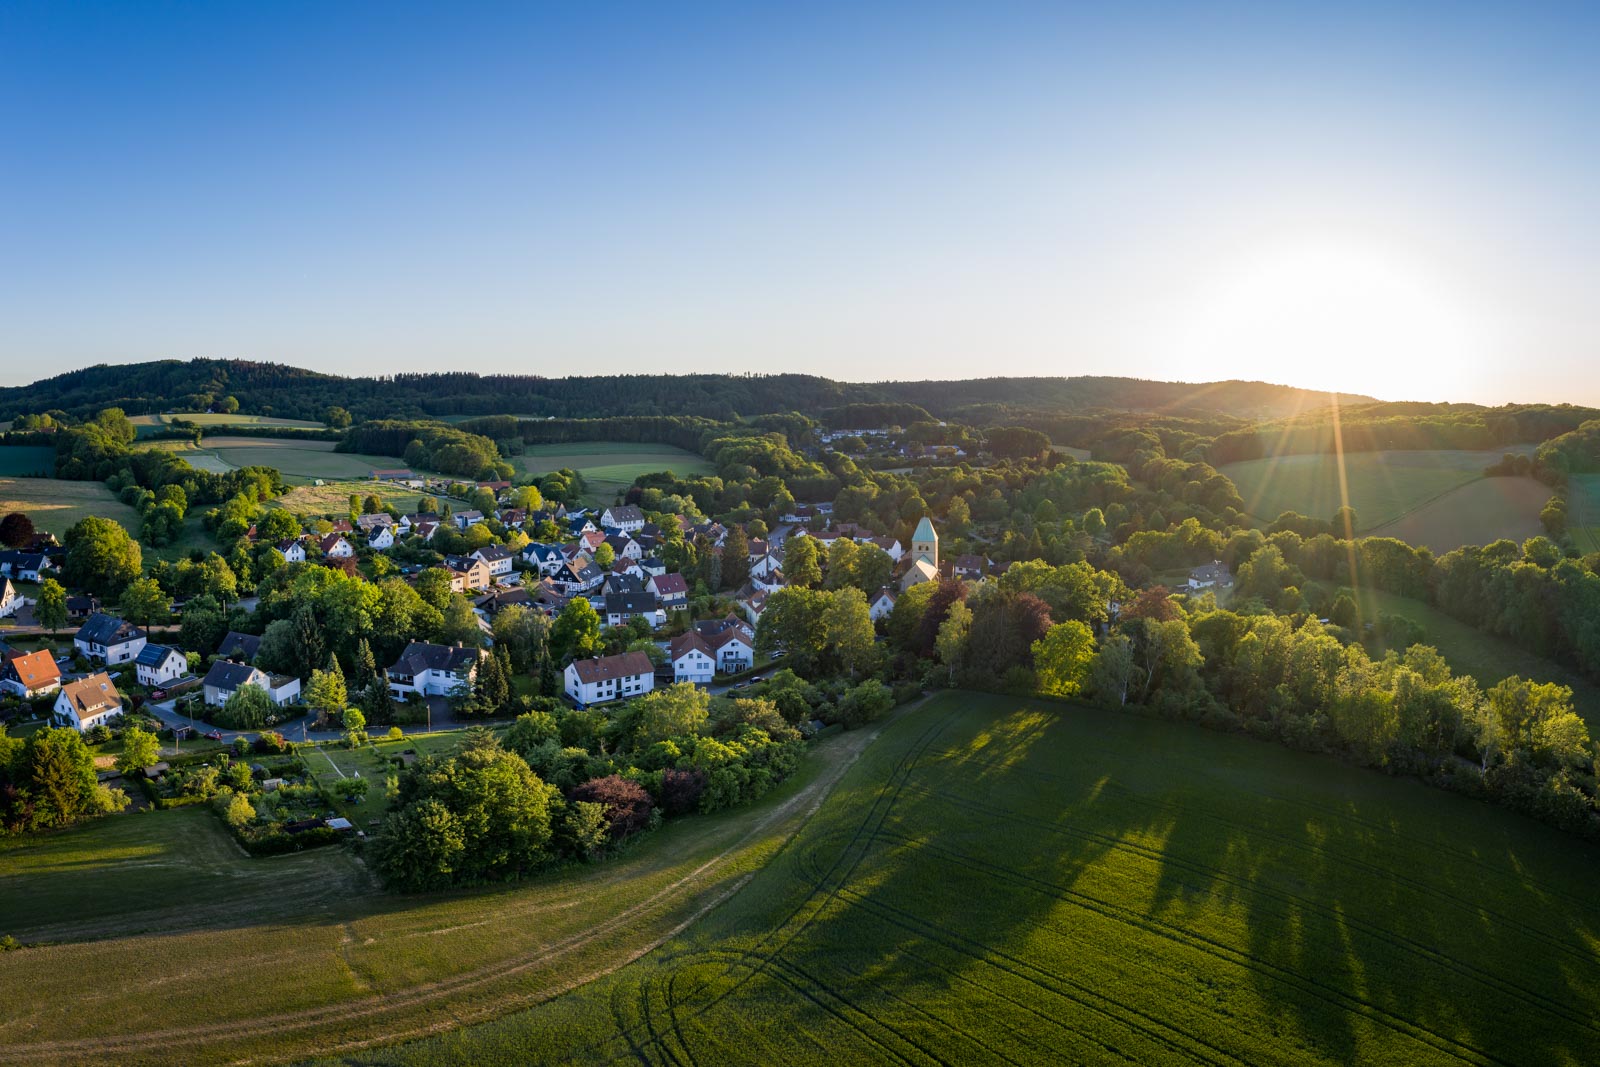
925	531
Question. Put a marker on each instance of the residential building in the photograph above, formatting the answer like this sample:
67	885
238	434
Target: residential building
627	518
464	519
467	572
334	546
595	681
10	599
158	665
28	674
238	646
88	702
970	567
692	659
620	608
498	558
881	604
24	566
382	538
226	678
108	638
433	670
292	551
546	559
671	589
1213	575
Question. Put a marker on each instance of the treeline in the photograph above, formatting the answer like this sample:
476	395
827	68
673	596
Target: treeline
680	431
429	445
1575	452
877	416
1381	427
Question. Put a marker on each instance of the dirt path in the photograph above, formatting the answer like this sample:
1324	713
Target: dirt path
201	1037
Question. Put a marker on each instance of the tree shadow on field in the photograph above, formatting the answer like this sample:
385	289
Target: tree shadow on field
1062	882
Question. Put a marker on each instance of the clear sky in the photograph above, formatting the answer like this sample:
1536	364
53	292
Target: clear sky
1401	200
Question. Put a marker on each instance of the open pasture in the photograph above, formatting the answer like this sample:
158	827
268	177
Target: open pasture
1475	514
610	466
150	423
1583	511
333	497
999	881
297	460
1383	486
54	504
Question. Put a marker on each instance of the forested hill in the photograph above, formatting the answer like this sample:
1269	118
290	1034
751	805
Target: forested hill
290	392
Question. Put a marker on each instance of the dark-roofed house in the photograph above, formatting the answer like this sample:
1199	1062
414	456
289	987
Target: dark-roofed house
491	604
157	665
970	567
498	558
89	702
238	646
626	518
672	589
24	566
574	580
595	681
106	637
292	550
433	670
881	604
225	678
621	607
1213	575
27	674
467	572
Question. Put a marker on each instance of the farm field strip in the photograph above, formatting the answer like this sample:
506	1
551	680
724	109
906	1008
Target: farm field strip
998	881
1583	511
1477	513
609	466
54	504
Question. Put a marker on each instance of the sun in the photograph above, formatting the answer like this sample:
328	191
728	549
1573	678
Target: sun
1336	316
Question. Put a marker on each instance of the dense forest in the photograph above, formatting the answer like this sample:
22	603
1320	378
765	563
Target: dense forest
290	392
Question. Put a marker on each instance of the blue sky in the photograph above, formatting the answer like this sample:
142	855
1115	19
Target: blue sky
1391	201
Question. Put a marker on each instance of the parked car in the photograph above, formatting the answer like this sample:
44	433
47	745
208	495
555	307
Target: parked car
215	735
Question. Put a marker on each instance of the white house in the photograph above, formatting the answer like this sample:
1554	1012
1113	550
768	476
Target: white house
292	551
890	545
381	538
625	547
28	674
595	681
546	558
10	599
334	546
106	637
157	665
89	702
433	670
498	558
226	678
881	604
730	640
619	608
626	518
24	566
692	659
1214	575
467	518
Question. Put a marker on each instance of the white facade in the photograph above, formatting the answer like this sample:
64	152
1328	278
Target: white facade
112	654
618	688
382	538
693	666
295	553
173	665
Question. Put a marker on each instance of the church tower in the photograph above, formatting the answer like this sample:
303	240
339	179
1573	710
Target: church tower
925	543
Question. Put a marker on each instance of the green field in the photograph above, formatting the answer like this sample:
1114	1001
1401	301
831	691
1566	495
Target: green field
1383	486
1000	882
1583	511
54	505
27	460
1475	514
1485	657
333	497
610	466
330	763
202	955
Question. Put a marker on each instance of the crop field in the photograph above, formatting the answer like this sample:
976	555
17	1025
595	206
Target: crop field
1383	486
54	505
1484	656
1475	514
610	466
1583	511
290	957
996	881
298	460
27	460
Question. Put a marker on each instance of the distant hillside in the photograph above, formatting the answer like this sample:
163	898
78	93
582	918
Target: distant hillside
290	392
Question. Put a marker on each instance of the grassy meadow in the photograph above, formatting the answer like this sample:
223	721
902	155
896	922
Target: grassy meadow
610	466
1484	656
54	505
150	423
1583	511
999	881
1383	486
333	497
290	957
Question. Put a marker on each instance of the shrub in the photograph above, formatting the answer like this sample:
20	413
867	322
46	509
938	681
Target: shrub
627	805
681	790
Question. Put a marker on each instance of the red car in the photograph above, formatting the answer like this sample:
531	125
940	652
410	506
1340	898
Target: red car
215	735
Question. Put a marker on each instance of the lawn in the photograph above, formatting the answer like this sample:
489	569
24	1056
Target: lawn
1475	514
150	423
54	505
996	881
1484	656
1383	486
297	460
610	466
330	763
200	955
30	461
